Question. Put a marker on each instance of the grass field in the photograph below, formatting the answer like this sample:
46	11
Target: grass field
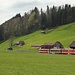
20	63
27	61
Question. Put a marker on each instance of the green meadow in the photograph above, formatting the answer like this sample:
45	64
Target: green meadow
20	63
25	60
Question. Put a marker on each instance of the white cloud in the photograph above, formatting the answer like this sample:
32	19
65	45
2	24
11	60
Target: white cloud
9	8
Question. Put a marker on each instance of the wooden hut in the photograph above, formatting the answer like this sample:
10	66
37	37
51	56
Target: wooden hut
21	43
72	45
57	48
45	47
58	45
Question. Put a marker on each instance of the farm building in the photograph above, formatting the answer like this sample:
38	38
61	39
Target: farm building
56	48
20	43
58	45
45	47
51	48
72	45
43	32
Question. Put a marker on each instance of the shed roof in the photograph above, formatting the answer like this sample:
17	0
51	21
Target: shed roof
72	44
58	44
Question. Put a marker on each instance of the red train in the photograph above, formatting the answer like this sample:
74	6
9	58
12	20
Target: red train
57	51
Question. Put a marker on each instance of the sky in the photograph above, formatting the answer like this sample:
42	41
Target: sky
9	8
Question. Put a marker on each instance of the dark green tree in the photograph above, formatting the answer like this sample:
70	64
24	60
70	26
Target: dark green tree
43	20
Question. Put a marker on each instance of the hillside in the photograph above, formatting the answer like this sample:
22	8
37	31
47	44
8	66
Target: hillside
36	20
65	34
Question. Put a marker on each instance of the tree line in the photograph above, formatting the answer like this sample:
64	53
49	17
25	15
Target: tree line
35	20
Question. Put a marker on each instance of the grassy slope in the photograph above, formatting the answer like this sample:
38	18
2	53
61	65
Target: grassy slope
65	34
29	63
